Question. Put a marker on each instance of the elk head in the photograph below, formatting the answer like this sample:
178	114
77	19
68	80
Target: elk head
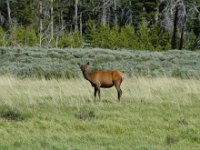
83	67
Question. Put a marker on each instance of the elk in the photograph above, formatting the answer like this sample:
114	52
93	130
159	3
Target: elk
100	79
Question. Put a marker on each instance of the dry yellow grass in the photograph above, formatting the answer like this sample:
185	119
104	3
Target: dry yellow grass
32	91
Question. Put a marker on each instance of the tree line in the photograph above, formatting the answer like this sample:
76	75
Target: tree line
133	24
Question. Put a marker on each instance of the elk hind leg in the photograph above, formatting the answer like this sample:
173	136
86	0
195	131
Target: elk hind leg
95	92
119	91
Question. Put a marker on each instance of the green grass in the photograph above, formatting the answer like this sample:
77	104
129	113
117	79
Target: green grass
155	113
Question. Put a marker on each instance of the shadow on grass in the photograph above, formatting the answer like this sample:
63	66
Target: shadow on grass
13	114
171	140
85	115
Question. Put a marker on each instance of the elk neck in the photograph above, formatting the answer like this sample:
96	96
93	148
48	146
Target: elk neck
86	75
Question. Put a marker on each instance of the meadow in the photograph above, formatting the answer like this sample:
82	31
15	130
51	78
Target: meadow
155	113
46	104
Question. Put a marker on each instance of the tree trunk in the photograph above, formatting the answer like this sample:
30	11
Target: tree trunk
52	23
81	27
41	26
182	39
61	14
182	33
131	14
115	11
103	19
8	10
174	38
76	15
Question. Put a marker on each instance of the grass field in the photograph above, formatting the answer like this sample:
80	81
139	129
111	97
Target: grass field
155	113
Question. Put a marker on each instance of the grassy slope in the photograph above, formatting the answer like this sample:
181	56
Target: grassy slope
158	113
62	63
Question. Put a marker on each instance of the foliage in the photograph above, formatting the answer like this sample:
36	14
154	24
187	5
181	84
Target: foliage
140	16
23	12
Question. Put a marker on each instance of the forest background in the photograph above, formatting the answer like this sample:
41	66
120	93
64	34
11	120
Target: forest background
132	24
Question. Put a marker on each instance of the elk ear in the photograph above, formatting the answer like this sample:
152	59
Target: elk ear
88	63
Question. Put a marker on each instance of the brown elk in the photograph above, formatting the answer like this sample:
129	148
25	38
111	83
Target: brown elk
101	79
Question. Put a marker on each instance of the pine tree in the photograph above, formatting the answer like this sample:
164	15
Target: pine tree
23	12
159	38
17	36
102	37
128	38
114	37
31	37
143	38
2	41
89	31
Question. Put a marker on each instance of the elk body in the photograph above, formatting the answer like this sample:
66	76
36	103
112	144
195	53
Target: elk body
101	79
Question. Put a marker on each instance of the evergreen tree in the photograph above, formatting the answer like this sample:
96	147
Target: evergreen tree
2	41
31	38
89	31
114	37
23	12
102	37
17	35
128	38
159	38
143	38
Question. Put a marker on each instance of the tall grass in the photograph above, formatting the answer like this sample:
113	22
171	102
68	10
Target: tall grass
155	113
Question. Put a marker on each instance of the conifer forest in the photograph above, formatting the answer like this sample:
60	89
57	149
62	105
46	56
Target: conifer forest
154	25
